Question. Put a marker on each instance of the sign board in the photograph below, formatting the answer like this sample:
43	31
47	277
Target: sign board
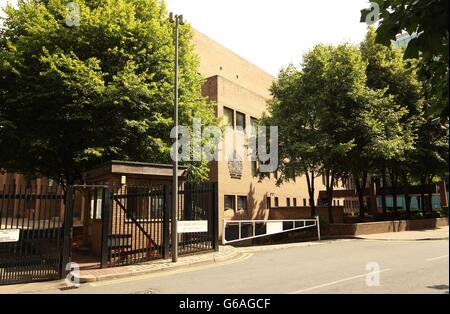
192	226
9	235
274	227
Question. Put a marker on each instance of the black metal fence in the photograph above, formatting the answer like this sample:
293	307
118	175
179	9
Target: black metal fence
136	227
31	224
139	223
198	202
36	226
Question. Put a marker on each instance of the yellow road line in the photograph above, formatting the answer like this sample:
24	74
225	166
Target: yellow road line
188	269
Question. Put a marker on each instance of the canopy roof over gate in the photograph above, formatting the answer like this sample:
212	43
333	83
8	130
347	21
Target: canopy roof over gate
138	170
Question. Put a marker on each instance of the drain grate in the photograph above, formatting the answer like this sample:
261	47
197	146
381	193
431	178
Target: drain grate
68	288
147	291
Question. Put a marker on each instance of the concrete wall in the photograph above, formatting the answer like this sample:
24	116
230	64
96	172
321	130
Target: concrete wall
215	59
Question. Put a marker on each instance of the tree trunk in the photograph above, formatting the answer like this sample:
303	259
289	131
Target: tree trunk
408	204
430	196
394	184
383	190
422	195
360	192
310	183
329	185
407	196
311	195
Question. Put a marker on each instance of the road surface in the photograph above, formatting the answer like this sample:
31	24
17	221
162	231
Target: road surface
345	266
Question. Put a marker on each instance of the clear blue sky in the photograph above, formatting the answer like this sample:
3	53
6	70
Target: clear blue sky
273	33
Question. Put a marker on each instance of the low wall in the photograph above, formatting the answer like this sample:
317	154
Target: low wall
281	213
385	227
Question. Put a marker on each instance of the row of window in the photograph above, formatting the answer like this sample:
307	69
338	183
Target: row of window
288	202
239	203
236	119
231	201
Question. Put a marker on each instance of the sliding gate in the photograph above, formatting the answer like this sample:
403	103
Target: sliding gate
137	228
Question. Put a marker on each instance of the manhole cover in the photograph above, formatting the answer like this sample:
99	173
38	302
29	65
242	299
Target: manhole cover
147	291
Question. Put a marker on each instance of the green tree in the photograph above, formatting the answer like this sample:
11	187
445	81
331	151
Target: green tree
72	97
298	129
429	19
388	70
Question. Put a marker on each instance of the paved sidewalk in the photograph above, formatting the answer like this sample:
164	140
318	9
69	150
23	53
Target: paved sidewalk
433	234
225	253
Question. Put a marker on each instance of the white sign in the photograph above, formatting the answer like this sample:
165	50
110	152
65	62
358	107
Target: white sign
9	235
274	227
192	226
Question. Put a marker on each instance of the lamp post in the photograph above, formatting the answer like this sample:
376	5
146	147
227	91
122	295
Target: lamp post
177	20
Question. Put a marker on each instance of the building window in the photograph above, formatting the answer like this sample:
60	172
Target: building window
254	126
277	204
304	202
230	202
288	202
228	115
242	203
295	202
240	121
268	203
254	168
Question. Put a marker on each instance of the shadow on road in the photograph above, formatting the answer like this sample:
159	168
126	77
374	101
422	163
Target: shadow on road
440	287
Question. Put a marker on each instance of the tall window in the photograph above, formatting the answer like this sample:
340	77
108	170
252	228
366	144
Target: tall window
295	202
242	203
254	168
230	203
268	202
228	115
277	204
254	133
288	202
240	121
304	202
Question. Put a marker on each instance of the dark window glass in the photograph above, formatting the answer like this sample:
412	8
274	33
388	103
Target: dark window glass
242	203
228	115
240	121
229	202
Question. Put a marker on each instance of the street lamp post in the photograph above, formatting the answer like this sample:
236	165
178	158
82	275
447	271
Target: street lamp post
177	20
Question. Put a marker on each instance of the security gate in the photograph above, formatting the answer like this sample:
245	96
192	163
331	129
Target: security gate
31	233
138	225
133	226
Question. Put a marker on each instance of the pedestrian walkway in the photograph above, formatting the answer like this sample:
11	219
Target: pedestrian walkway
90	275
225	253
422	235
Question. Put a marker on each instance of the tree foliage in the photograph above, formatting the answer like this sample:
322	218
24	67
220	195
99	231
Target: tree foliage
429	19
72	97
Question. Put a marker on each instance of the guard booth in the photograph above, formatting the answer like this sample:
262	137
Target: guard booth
126	215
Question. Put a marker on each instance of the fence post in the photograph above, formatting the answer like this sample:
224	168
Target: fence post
166	221
318	227
67	231
215	217
106	219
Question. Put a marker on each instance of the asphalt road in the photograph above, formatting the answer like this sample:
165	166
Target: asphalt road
336	267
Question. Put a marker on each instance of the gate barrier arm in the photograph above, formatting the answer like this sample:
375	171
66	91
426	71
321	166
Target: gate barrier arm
275	226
